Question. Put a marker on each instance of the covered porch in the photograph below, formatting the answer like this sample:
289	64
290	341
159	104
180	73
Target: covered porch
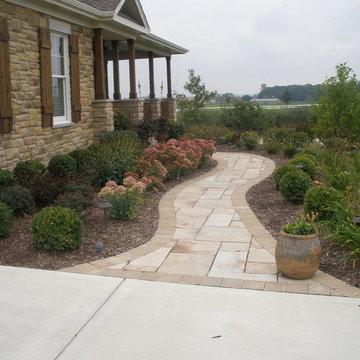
117	48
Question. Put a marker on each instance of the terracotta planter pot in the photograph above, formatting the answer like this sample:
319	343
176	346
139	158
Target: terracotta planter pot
298	256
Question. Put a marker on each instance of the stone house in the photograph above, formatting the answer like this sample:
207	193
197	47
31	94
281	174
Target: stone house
53	73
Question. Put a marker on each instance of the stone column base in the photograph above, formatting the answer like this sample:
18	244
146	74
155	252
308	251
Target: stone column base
133	108
152	109
168	109
103	116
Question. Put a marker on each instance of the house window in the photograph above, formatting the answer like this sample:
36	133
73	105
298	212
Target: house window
60	78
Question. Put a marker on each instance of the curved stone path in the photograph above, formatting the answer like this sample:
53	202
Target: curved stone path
208	235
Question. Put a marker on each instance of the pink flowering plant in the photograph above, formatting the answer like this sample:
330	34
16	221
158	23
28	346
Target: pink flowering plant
126	198
180	156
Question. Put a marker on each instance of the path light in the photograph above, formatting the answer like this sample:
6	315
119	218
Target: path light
299	166
99	247
356	220
298	149
105	205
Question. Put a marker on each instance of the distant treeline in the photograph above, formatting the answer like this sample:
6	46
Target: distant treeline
305	93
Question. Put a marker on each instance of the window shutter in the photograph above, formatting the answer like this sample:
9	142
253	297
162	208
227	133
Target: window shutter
6	123
75	78
47	109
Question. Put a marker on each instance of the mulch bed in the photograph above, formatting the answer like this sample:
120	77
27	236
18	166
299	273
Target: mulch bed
120	236
266	202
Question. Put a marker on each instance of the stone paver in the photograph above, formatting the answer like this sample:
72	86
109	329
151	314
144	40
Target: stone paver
209	236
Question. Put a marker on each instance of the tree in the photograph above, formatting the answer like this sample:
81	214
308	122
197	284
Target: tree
191	107
285	97
338	111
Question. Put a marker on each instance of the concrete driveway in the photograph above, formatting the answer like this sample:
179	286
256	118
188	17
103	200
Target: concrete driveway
54	315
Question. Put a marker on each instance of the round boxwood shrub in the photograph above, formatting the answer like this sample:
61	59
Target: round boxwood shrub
308	165
321	200
62	165
27	171
289	151
56	228
84	158
294	185
281	171
7	179
19	199
7	219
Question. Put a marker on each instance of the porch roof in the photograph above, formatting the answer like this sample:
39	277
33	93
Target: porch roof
120	20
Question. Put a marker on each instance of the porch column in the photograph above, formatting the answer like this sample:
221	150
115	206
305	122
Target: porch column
116	58
100	84
151	75
168	69
131	46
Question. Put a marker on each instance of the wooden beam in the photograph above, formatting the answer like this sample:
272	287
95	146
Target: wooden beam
132	72
100	83
151	75
168	70
116	57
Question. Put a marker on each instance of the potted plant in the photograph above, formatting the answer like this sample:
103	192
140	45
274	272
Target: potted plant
297	252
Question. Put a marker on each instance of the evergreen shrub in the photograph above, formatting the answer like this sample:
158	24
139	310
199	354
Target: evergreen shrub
294	185
56	228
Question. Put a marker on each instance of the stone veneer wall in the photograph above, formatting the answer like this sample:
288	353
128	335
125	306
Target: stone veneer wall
28	138
153	110
133	108
168	109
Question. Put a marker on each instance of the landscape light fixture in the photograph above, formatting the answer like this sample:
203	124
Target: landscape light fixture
105	205
299	166
99	247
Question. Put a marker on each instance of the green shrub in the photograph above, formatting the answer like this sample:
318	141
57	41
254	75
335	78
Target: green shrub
342	231
176	129
297	139
122	122
19	199
7	179
307	165
277	136
250	139
309	156
7	220
76	196
124	207
294	185
56	228
46	188
289	151
309	151
281	171
321	200
272	147
113	159
229	137
62	165
84	159
27	172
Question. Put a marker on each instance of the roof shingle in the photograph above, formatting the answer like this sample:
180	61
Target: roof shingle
102	5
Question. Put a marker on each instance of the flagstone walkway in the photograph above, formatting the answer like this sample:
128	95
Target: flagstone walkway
208	235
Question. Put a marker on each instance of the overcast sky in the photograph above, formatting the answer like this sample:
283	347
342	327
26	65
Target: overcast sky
236	45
